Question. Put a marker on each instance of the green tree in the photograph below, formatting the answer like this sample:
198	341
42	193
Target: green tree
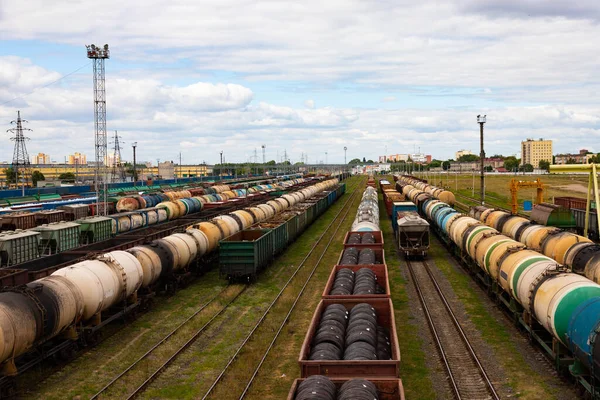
511	163
468	158
435	164
67	176
37	176
364	160
272	162
571	161
370	161
355	161
488	168
526	168
545	165
595	159
446	165
11	177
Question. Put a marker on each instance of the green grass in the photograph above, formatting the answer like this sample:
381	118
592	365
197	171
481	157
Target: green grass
497	186
194	370
523	380
414	372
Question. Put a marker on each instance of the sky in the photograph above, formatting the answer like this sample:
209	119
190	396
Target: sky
305	78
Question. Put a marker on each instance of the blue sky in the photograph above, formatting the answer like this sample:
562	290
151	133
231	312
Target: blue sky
201	77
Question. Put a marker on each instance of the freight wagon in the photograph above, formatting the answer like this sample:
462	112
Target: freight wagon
103	287
245	254
520	264
120	223
382	389
412	234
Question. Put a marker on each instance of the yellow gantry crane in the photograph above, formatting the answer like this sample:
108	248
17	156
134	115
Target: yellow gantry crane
516	184
592	186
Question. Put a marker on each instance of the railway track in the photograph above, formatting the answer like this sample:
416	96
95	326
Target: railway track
467	376
171	337
335	222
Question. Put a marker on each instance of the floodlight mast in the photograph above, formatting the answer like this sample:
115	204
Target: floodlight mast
98	55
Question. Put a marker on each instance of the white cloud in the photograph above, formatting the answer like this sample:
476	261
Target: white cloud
201	119
530	65
468	43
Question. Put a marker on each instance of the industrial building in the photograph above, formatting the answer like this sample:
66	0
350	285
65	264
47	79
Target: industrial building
534	151
581	158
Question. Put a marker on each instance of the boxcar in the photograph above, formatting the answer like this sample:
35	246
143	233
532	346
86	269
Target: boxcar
244	254
413	235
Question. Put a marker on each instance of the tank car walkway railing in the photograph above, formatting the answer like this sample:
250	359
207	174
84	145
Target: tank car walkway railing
468	378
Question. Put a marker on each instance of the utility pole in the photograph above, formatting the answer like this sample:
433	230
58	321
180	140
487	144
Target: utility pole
98	55
118	170
345	163
481	122
134	145
221	166
179	168
20	156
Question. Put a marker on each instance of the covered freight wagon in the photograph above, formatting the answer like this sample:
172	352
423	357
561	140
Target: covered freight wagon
413	235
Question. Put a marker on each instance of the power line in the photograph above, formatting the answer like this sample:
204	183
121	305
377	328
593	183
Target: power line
46	85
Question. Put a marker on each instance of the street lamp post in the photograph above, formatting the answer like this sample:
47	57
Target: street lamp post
481	121
221	166
345	149
134	145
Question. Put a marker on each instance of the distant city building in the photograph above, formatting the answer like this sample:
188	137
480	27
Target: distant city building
110	159
40	158
77	158
461	153
534	151
166	170
495	163
394	158
581	158
371	168
421	158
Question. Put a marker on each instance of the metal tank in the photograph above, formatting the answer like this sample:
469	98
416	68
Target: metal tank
186	249
62	301
201	240
519	270
556	244
97	282
150	262
212	232
557	297
127	268
18	326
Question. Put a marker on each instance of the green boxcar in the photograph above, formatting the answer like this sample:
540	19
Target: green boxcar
245	253
18	247
292	224
303	216
58	237
279	233
94	229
